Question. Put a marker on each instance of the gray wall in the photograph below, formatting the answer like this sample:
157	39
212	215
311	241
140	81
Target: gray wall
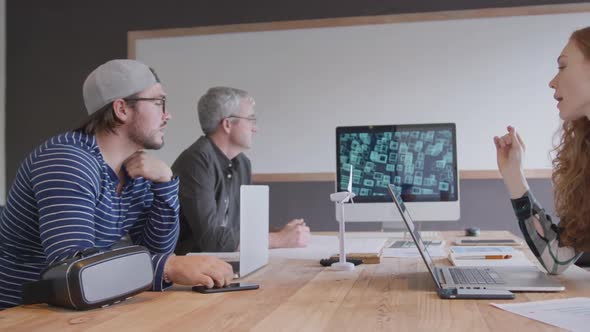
484	203
53	45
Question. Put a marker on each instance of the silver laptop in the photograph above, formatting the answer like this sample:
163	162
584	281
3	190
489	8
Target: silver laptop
254	211
473	279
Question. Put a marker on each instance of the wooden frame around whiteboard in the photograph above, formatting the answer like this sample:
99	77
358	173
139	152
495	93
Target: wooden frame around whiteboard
134	36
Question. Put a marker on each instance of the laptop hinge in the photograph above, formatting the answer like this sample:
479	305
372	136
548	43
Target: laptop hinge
440	276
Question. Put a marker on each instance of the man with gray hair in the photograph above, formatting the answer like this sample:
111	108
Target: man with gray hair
89	187
211	172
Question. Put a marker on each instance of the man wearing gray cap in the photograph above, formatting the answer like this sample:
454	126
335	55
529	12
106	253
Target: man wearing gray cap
90	187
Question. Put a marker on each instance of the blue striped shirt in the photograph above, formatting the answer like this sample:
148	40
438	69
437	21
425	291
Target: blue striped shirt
64	199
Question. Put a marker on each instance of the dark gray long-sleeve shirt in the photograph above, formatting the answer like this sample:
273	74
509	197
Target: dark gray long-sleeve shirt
209	197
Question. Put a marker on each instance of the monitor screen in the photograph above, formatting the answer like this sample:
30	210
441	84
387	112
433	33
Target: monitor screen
419	160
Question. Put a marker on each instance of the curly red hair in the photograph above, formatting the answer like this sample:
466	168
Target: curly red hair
571	175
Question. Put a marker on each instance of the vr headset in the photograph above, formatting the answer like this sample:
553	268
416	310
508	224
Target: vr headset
93	279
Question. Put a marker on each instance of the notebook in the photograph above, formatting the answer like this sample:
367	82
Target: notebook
488	256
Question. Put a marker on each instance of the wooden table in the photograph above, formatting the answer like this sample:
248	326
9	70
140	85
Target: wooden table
300	295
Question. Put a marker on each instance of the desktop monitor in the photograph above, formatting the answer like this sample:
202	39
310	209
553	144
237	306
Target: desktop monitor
420	160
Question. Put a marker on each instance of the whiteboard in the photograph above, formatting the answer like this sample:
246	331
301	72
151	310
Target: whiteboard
481	74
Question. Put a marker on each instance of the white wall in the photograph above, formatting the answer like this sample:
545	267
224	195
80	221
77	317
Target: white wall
2	101
481	74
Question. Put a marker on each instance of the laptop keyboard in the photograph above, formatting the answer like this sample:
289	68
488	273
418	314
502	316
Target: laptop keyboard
475	276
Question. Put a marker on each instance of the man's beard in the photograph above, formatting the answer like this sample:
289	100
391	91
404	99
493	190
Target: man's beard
148	142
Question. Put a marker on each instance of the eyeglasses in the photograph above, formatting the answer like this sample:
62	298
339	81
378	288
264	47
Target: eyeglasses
251	119
158	101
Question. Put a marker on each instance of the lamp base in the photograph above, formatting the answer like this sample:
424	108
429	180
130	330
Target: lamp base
346	266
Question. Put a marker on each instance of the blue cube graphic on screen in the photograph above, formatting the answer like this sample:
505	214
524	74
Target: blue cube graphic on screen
419	159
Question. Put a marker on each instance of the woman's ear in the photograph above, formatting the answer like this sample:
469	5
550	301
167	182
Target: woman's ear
121	110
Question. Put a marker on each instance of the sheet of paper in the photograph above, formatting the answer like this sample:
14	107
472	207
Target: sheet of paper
572	314
518	259
407	248
413	252
324	246
401	244
434	235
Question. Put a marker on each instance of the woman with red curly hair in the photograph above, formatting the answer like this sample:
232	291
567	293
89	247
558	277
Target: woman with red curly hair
557	246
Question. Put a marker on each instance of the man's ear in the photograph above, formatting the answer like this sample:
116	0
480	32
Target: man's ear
121	110
226	125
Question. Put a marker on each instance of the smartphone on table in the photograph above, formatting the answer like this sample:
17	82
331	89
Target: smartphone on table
236	286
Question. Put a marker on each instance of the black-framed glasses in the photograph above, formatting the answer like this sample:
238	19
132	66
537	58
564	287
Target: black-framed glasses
251	119
158	101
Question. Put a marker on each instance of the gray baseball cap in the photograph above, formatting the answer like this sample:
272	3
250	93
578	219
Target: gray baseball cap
116	79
